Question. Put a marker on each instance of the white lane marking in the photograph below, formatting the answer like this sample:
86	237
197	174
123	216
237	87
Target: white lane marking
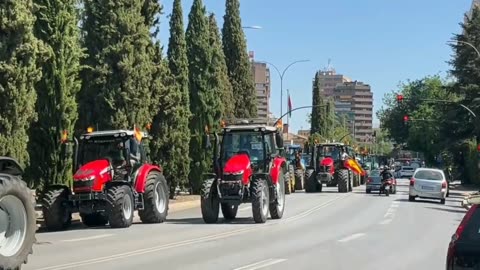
245	208
187	242
386	221
395	206
88	238
351	237
260	264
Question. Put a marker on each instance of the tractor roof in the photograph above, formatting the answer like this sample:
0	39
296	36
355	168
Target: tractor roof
107	133
250	124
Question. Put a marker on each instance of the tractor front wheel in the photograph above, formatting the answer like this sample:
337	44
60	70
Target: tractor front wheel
120	206
342	179
94	220
210	202
260	200
229	211
311	183
55	211
156	198
299	179
278	205
17	223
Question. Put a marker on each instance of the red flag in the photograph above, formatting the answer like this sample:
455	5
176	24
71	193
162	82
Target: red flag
289	106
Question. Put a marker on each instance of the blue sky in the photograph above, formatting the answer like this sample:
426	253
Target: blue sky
379	42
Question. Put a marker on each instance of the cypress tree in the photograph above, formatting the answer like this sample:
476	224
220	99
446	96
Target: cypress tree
201	95
317	120
171	147
220	81
56	105
117	89
20	56
239	68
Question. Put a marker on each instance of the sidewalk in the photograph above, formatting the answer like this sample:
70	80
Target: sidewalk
182	202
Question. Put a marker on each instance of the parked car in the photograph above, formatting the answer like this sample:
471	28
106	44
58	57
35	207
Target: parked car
429	184
374	182
464	248
406	172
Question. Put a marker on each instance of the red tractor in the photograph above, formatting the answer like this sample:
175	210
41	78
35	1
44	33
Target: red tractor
112	180
332	164
248	168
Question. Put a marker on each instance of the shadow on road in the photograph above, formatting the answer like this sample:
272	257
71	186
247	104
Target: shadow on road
448	210
76	225
417	200
199	221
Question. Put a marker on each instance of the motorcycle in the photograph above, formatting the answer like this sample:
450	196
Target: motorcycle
386	187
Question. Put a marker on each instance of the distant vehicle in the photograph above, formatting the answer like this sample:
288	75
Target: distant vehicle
429	184
464	248
374	182
406	172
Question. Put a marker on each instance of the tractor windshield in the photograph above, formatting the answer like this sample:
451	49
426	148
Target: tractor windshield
328	151
247	142
109	148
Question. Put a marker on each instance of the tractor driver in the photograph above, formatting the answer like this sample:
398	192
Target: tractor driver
115	154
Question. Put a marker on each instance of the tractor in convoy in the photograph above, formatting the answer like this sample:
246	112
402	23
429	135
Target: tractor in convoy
17	216
296	170
112	179
332	164
248	168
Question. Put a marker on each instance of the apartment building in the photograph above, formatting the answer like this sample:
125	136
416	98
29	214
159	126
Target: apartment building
355	101
328	79
261	76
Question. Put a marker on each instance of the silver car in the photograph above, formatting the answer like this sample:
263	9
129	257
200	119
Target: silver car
429	184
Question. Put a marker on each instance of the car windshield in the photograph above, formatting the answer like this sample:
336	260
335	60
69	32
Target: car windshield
375	173
429	175
102	148
242	141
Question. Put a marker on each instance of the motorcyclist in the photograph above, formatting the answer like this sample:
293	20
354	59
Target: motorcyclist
386	174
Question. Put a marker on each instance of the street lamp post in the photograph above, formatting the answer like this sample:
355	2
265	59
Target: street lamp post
282	74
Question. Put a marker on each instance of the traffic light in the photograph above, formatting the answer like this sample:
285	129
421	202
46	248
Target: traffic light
399	98
405	119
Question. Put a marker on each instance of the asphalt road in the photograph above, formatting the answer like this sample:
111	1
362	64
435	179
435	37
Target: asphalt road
325	230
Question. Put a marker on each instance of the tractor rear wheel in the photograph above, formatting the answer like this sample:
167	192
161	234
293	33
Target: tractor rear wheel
120	206
299	179
94	220
278	205
342	180
260	200
17	222
56	214
209	201
229	211
156	199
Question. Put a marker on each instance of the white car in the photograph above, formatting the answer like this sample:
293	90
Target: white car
429	184
406	172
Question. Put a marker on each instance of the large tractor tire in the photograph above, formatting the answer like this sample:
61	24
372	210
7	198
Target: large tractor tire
156	199
121	206
260	200
55	210
342	180
229	211
17	222
209	202
290	178
277	207
94	220
351	178
299	179
311	183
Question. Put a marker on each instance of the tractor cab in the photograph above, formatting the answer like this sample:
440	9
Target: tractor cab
248	168
120	151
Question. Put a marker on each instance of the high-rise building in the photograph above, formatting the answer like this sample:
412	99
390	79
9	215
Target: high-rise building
355	101
328	79
261	76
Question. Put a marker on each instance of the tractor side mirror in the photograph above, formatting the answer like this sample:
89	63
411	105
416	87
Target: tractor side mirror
207	143
279	139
